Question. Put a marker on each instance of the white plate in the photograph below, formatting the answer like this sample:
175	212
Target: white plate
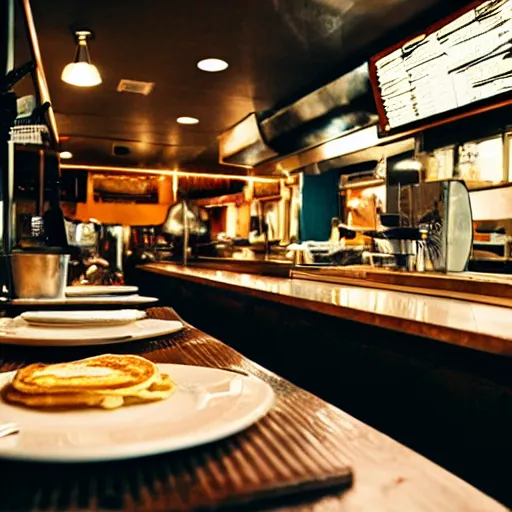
120	300
88	291
82	318
18	332
207	405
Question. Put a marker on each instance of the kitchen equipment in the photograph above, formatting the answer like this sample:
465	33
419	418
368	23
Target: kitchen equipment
325	253
86	234
38	275
399	241
390	220
422	248
185	227
195	224
434	228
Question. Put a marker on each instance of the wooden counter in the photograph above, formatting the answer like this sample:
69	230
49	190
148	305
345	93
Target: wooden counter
388	477
477	287
490	289
462	323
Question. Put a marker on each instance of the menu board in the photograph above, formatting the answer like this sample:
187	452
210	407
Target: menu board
454	65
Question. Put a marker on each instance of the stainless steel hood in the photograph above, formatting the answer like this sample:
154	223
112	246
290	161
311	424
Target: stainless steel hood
338	108
243	145
358	146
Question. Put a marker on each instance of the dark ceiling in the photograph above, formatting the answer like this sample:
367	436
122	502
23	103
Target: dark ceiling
278	50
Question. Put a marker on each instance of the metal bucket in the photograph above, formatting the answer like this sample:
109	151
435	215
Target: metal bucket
39	276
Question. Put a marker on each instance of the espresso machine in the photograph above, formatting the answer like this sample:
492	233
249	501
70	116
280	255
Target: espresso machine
428	225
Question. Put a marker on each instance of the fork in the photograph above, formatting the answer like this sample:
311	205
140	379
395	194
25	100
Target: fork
6	429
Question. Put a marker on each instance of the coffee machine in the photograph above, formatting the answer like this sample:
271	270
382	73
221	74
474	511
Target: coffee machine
429	226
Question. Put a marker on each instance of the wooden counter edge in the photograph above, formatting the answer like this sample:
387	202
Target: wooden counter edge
458	337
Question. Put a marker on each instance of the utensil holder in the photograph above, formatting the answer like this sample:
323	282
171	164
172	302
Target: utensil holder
39	275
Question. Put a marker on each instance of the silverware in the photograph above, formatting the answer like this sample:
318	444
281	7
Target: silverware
6	429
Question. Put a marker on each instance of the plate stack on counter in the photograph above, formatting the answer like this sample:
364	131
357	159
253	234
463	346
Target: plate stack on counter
93	295
90	326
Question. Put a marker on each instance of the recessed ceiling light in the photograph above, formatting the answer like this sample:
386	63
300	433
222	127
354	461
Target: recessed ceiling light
212	65
66	155
187	120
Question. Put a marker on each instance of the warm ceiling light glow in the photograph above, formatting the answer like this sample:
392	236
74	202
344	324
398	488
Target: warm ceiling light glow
66	155
212	65
187	120
167	172
81	72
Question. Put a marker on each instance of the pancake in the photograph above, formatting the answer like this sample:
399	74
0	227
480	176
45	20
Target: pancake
106	374
157	391
60	401
108	381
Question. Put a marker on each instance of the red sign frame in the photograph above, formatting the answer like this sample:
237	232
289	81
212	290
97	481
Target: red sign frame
492	103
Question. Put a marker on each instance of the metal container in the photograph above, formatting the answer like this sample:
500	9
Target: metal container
39	275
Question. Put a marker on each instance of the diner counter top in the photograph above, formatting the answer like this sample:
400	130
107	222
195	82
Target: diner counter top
463	323
300	435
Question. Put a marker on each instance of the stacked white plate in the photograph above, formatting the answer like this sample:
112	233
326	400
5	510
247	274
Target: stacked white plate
82	318
76	328
93	295
92	290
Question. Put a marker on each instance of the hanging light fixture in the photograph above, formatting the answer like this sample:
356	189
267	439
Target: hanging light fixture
81	72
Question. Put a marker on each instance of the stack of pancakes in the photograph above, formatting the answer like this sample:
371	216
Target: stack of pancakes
108	381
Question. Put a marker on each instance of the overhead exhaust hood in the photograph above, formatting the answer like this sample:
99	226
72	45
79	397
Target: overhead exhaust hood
243	145
340	107
357	147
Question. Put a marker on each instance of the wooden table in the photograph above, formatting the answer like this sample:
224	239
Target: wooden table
300	432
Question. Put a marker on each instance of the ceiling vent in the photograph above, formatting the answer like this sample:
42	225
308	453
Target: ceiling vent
135	87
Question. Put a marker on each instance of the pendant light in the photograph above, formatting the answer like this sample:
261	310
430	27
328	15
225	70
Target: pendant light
81	72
